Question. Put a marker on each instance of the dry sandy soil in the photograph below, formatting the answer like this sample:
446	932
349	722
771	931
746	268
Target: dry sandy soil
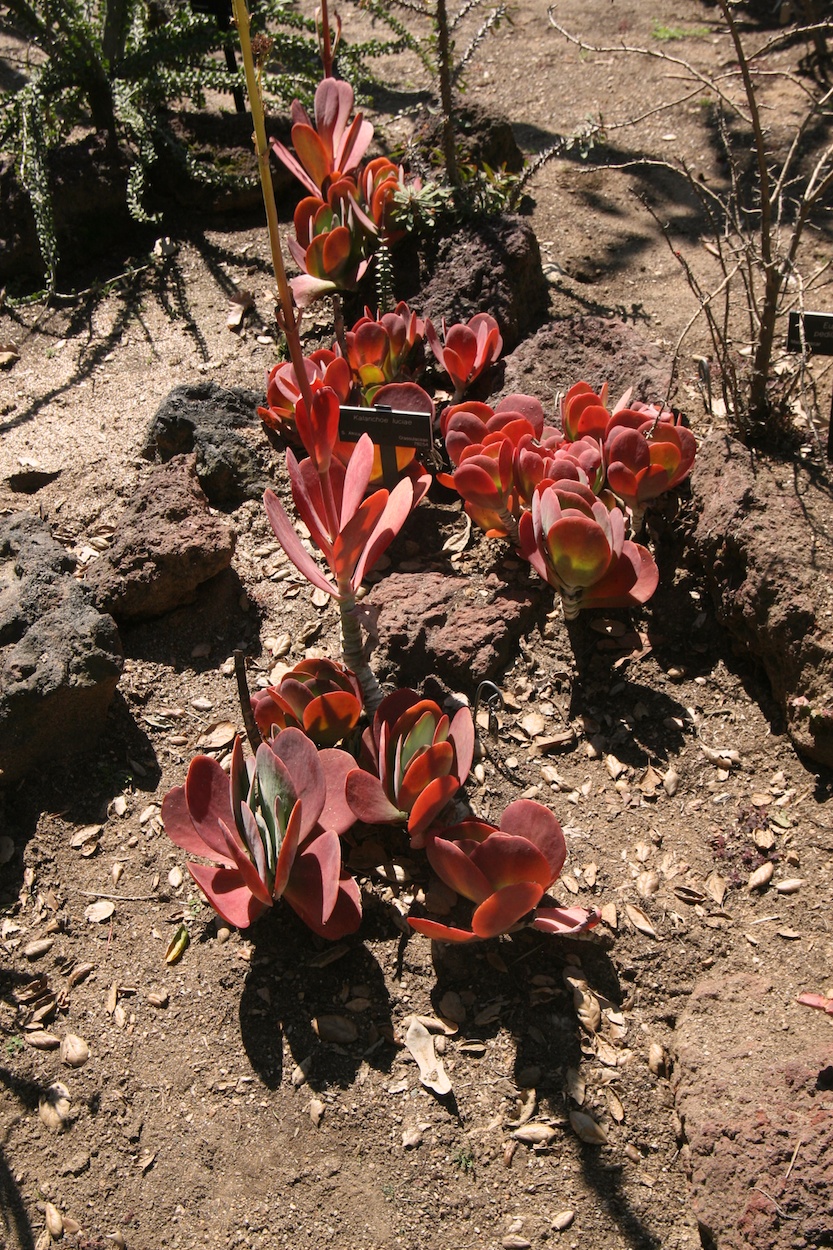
210	1113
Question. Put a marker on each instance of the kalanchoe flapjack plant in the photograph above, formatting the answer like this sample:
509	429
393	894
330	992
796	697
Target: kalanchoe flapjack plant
351	529
414	759
506	872
466	350
271	827
318	696
578	545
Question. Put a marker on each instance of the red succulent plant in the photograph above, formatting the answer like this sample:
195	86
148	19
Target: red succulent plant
506	873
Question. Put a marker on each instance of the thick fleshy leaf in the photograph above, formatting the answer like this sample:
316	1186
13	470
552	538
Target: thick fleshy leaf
631	579
356	478
428	806
368	801
276	791
288	851
330	716
294	166
461	733
209	802
332	107
287	536
457	869
318	430
505	859
578	551
305	895
262	856
431	764
550	918
180	828
312	155
337	814
248	871
299	759
505	908
527	819
440	932
351	542
397	510
227	894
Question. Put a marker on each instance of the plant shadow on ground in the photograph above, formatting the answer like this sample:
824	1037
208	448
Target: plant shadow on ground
302	998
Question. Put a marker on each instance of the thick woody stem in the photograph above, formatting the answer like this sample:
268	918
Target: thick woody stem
352	650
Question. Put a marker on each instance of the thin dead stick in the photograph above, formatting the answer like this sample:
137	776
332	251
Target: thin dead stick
792	1160
121	898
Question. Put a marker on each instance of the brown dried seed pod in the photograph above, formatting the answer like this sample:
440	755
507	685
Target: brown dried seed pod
54	1220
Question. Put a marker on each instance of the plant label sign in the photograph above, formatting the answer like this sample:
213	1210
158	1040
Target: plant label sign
813	332
389	428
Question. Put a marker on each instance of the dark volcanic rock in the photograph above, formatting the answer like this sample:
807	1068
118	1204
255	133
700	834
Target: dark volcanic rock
588	349
234	458
493	267
435	623
168	544
745	1104
60	658
767	555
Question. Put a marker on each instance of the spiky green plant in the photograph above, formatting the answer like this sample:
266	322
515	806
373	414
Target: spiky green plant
119	66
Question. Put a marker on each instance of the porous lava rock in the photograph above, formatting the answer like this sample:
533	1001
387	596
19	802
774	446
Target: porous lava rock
60	657
766	549
220	425
168	543
461	629
495	267
588	349
745	1102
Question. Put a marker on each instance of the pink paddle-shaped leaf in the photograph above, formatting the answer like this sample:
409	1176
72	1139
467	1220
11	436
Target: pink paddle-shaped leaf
305	895
527	819
433	763
630	579
505	908
368	801
294	166
461	734
287	536
349	545
300	756
180	828
288	851
428	806
356	478
397	510
505	859
207	796
337	813
231	899
312	155
243	864
453	866
440	932
565	920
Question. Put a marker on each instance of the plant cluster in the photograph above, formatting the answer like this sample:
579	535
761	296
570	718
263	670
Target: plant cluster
277	824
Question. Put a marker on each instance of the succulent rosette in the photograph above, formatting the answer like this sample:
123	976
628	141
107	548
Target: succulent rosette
320	697
384	349
271	828
466	350
414	760
283	394
646	457
506	873
578	545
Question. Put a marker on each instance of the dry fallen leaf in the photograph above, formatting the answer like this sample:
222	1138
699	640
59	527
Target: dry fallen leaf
431	1071
97	913
239	304
316	1111
761	876
717	886
586	1128
339	1029
535	1134
218	736
54	1107
639	920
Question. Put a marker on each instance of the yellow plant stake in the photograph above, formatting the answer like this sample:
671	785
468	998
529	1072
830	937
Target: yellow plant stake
285	314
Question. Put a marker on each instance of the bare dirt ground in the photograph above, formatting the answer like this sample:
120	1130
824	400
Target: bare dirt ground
210	1112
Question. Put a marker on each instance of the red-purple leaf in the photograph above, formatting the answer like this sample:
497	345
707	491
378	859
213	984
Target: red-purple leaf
440	932
505	908
227	894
